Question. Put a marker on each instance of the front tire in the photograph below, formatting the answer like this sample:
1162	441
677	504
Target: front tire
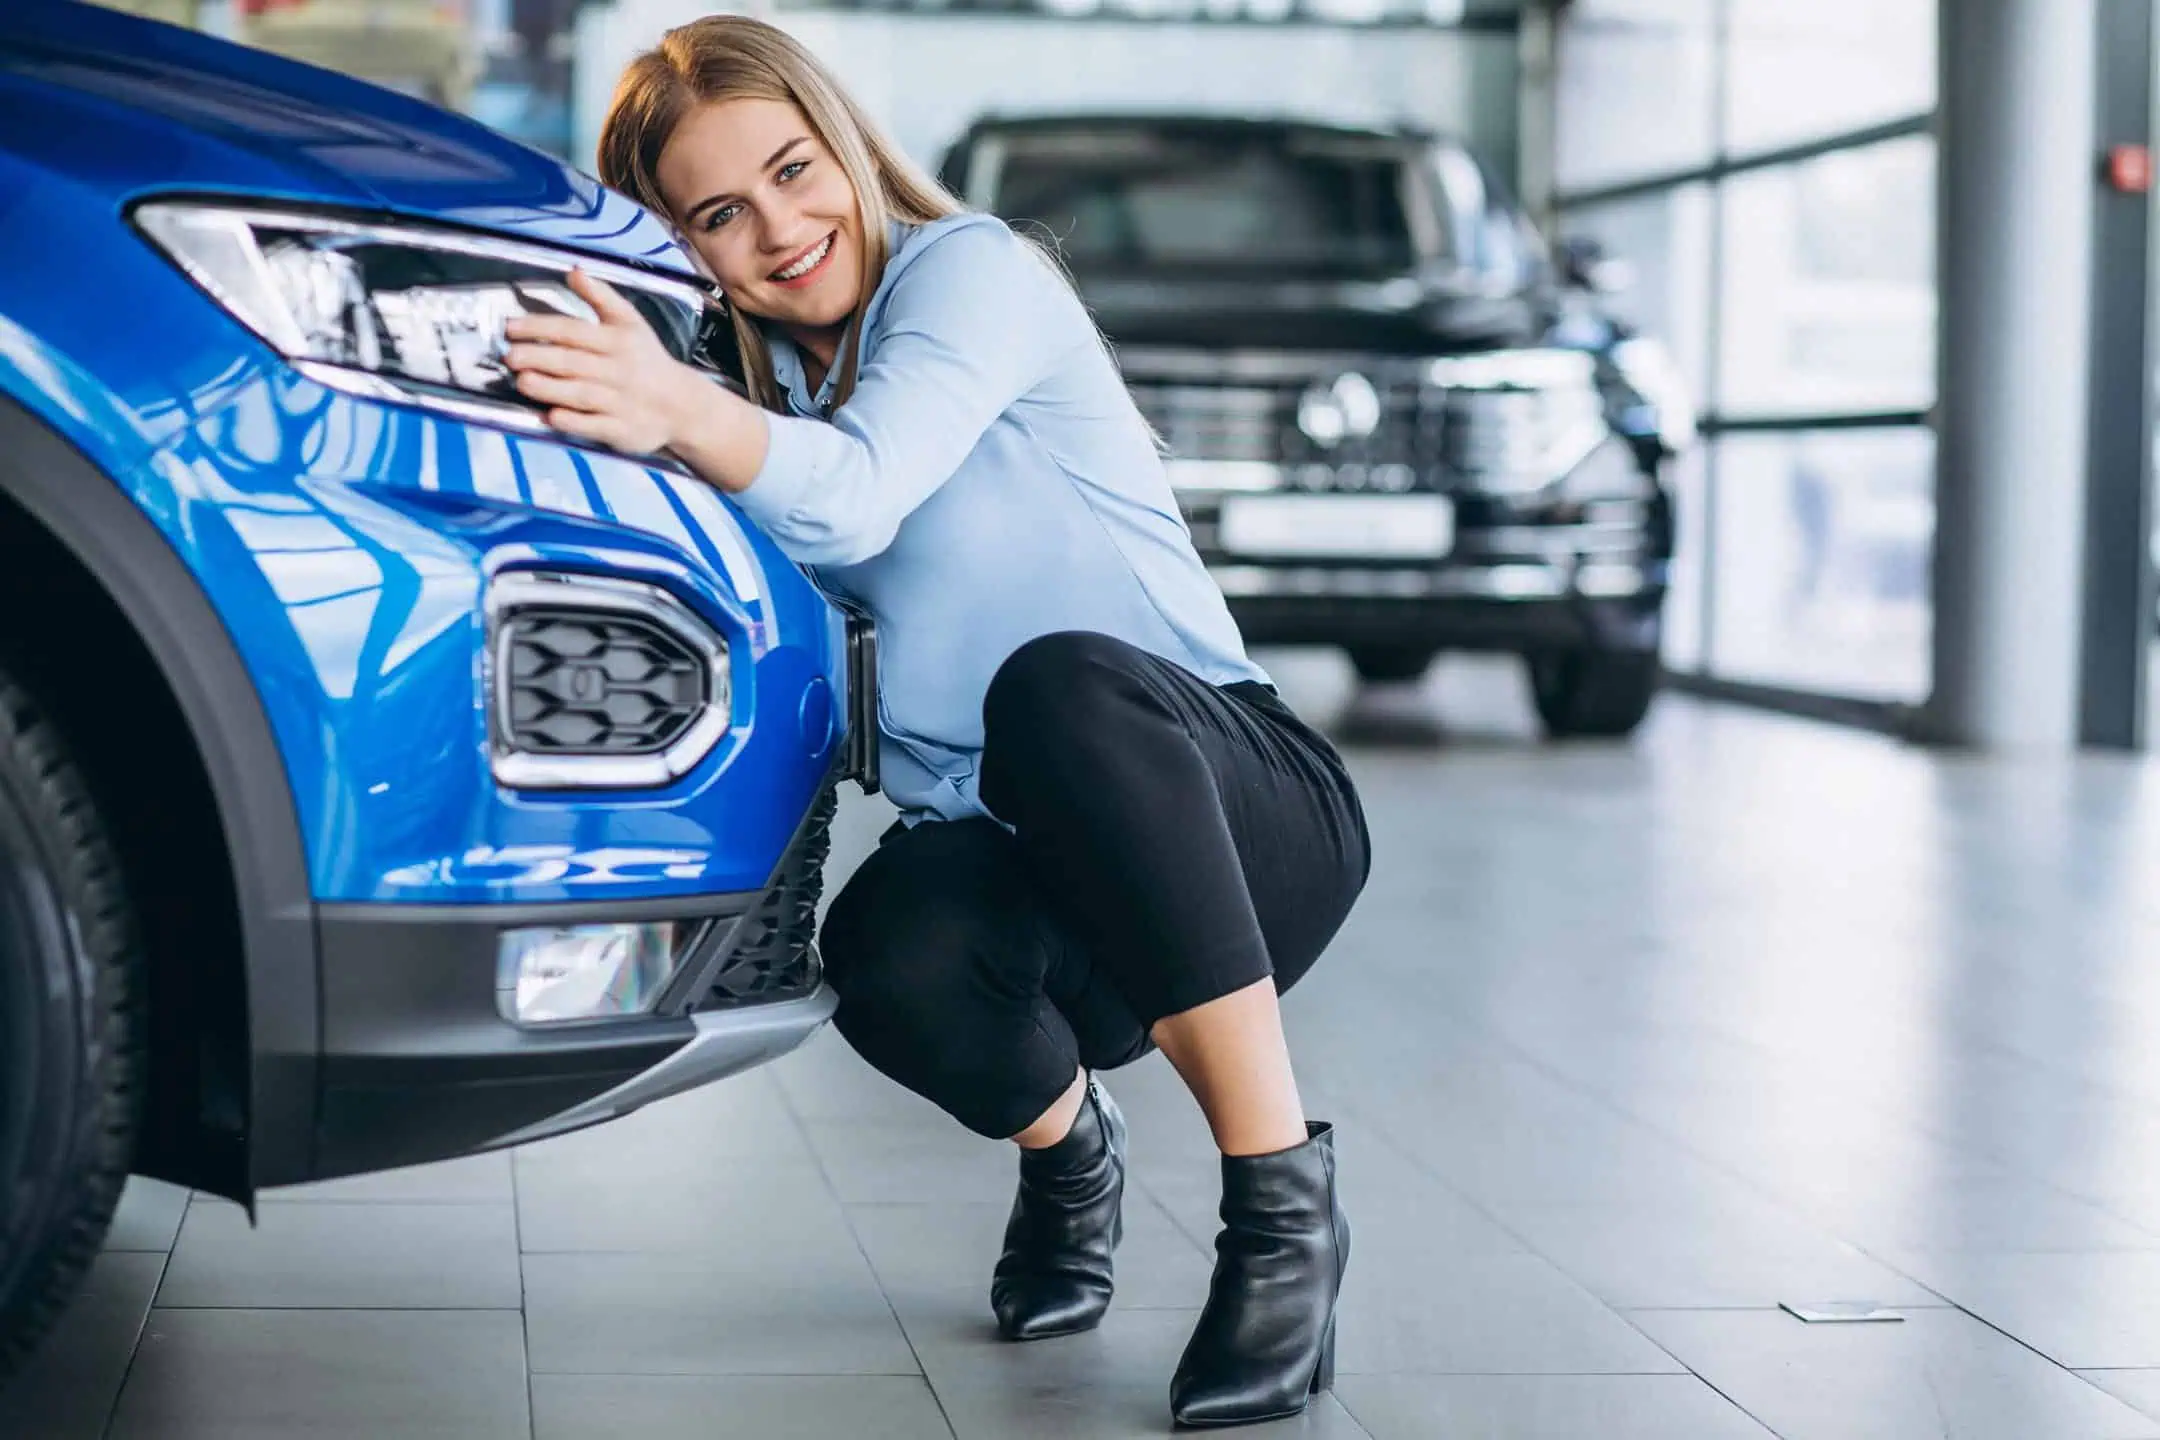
71	1033
1391	664
1590	692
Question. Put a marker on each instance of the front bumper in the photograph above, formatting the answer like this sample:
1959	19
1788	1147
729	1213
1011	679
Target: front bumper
1520	576
419	1064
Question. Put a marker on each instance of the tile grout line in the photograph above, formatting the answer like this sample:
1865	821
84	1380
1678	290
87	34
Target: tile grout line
787	1103
517	1233
127	1372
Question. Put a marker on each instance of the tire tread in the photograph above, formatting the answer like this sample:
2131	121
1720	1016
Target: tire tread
88	876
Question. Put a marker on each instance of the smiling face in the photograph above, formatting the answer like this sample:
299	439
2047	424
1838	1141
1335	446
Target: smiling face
769	210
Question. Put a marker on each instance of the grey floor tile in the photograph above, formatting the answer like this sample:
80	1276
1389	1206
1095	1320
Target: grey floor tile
148	1217
1544	1407
1108	1411
2140	1389
753	1407
67	1390
371	1256
1940	1372
1725	1250
474	1180
919	1249
1965	1210
2086	1311
1406	1313
827	1080
326	1375
873	1163
694	1201
1113	1381
725	1125
1393	1205
958	1344
701	1315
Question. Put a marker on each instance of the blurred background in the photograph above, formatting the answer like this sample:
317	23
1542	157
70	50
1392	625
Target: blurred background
1752	186
1760	174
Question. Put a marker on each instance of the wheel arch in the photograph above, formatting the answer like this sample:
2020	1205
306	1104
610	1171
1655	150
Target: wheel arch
164	717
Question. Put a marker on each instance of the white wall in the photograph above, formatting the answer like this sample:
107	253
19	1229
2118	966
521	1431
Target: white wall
925	76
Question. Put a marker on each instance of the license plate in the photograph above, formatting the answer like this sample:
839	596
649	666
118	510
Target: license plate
1378	527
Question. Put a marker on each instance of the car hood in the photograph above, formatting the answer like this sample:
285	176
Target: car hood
155	107
1403	314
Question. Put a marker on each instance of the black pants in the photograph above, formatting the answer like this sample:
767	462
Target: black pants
1171	842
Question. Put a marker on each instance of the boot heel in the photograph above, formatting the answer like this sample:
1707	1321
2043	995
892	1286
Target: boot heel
1323	1375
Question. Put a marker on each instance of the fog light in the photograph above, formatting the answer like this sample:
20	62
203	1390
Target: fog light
555	973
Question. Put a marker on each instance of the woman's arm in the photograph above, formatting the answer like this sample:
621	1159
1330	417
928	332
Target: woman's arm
973	324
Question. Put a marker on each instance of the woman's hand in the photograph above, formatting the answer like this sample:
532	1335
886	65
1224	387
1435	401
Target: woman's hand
609	381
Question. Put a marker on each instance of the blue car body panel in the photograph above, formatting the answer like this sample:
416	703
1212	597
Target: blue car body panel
343	542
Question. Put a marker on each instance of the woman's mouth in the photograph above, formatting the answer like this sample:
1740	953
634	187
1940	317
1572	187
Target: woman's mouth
806	266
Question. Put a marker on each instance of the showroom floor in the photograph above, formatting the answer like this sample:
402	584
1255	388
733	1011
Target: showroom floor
1628	1046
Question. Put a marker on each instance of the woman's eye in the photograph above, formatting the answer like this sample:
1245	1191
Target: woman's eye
720	216
792	169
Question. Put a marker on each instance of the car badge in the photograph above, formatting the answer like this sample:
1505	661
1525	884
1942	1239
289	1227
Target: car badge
1346	409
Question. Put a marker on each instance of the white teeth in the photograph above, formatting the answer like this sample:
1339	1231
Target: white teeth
808	263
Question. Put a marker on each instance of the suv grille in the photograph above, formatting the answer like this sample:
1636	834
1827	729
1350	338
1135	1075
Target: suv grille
1252	422
1418	434
771	956
587	684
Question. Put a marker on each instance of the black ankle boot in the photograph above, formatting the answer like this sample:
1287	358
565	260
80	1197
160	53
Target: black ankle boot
1265	1343
1054	1277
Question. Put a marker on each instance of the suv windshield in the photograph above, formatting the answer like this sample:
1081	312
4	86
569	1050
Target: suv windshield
1151	199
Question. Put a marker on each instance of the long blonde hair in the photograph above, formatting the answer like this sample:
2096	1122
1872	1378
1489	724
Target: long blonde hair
732	57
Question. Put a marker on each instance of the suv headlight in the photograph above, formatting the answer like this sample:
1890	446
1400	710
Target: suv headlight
398	311
1518	420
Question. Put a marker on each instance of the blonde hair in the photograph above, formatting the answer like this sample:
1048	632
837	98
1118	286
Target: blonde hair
732	57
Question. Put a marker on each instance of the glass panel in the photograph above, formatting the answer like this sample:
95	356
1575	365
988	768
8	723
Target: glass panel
1665	240
1797	72
1821	548
1829	287
1153	196
1683	648
508	63
1634	90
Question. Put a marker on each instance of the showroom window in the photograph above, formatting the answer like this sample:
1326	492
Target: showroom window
507	62
1767	171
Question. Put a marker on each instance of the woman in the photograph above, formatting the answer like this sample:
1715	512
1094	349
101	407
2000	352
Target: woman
1114	836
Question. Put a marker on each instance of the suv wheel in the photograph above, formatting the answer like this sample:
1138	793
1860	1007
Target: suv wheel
71	1037
1593	692
1391	664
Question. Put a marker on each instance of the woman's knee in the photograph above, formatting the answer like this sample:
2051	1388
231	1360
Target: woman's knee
1061	696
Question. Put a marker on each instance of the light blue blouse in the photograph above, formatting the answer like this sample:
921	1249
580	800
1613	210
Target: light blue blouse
989	481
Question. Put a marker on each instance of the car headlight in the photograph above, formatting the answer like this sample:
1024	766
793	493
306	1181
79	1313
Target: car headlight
1648	369
1517	420
400	311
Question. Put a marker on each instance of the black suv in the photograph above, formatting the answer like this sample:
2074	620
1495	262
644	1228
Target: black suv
1395	423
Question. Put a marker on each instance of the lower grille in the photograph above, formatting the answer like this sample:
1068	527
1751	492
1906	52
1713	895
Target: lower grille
587	684
771	955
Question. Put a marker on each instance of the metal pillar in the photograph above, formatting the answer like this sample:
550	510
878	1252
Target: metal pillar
2015	215
2118	487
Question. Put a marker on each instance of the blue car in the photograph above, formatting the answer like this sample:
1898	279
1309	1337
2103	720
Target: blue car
383	777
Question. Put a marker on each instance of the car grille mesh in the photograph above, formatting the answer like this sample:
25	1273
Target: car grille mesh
583	683
771	956
1449	438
